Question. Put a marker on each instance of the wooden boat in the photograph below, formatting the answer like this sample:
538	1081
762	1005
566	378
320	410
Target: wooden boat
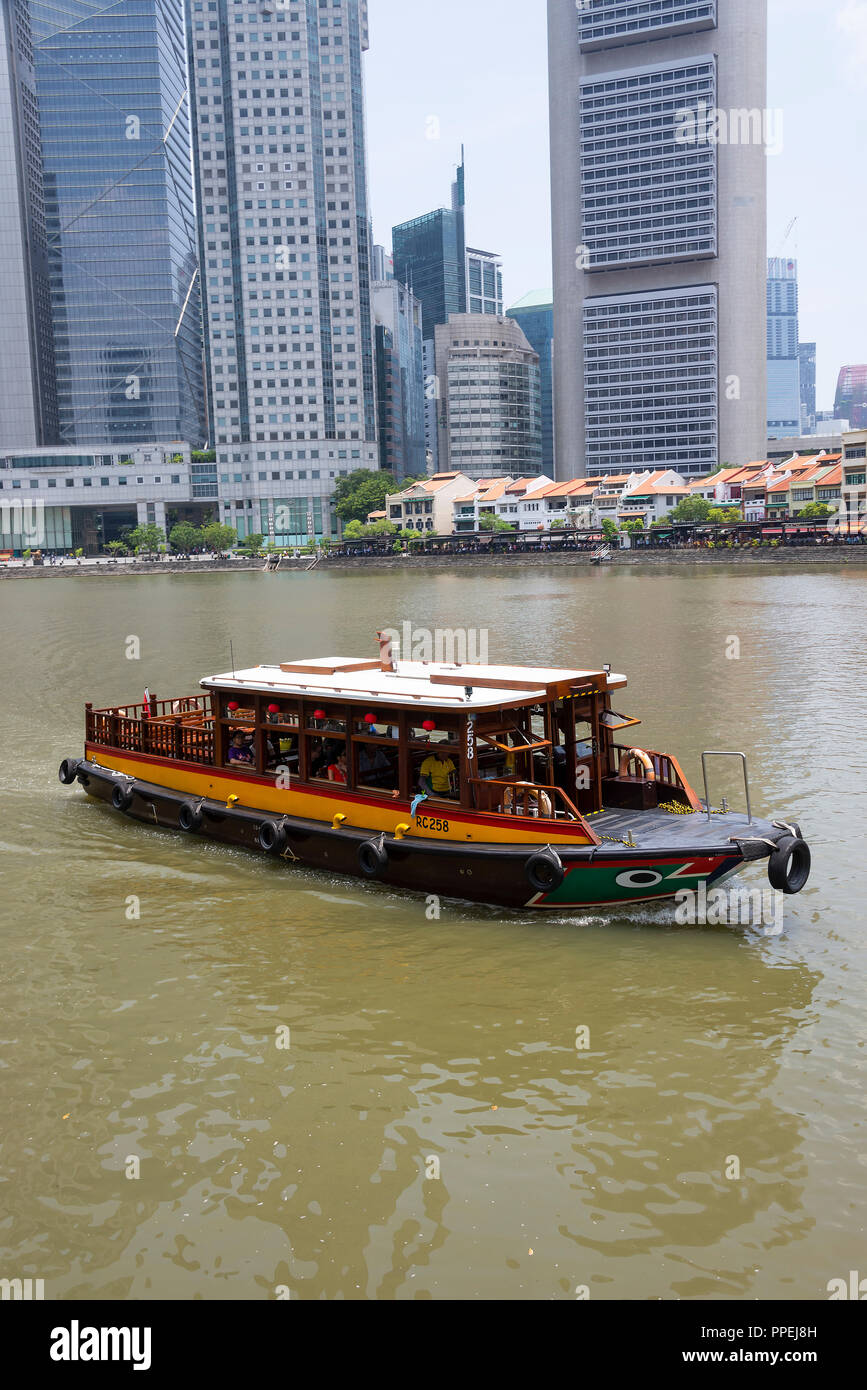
503	785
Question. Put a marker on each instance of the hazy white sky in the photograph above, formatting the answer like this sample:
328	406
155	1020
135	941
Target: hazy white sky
475	71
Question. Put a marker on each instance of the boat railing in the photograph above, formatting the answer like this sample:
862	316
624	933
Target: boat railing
182	730
509	797
715	753
667	770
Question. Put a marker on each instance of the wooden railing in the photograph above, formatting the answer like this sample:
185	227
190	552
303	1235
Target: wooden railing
514	798
181	730
666	767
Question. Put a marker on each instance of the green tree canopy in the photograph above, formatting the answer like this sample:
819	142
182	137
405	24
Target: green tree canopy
609	529
146	539
360	492
691	509
216	537
184	536
815	511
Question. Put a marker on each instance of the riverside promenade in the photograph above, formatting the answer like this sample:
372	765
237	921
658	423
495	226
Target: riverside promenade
785	557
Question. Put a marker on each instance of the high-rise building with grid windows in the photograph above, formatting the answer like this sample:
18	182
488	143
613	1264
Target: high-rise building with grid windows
113	115
28	399
281	174
658	150
784	365
489	398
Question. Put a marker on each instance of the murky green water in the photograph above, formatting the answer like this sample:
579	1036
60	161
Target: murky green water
412	1040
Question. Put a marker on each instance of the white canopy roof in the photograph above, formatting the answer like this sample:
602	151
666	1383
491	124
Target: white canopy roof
412	683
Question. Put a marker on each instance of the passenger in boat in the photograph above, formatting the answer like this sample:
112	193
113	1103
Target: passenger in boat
374	765
337	769
322	753
238	750
436	773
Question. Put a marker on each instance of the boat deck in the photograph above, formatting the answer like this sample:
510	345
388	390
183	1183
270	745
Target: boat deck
656	829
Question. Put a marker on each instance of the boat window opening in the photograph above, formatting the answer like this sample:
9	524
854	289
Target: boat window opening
385	729
281	751
376	766
326	758
436	773
324	720
281	713
241	747
438	734
237	713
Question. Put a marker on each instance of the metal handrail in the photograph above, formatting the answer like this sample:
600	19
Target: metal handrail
712	753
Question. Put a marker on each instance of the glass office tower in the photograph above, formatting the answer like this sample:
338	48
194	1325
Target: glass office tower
535	316
430	255
114	120
28	404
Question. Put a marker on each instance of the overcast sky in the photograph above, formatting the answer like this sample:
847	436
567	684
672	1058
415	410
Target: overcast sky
443	72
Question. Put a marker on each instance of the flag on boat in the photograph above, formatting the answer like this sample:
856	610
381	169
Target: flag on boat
147	703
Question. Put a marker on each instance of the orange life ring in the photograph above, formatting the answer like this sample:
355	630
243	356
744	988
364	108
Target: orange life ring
637	755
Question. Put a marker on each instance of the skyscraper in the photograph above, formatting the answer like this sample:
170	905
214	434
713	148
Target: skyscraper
430	256
535	315
113	116
784	366
28	401
850	402
281	170
489	398
399	379
807	371
484	282
658	137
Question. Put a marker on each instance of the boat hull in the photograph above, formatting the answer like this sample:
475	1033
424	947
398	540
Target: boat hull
502	874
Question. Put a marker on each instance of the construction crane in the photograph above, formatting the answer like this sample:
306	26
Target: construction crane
786	235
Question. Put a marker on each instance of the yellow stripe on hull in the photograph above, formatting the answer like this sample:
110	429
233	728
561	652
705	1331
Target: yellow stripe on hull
386	816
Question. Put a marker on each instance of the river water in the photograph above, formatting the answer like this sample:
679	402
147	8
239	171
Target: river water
148	1044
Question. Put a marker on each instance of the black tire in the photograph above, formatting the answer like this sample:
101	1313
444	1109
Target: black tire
272	837
121	796
68	771
190	817
372	858
789	865
545	871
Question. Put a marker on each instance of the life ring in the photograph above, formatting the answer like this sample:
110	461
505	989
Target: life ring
272	837
68	771
545	871
789	865
372	858
121	796
637	755
543	800
190	817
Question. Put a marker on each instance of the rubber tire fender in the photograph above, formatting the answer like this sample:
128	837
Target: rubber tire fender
190	817
545	871
68	771
272	837
121	796
372	858
789	865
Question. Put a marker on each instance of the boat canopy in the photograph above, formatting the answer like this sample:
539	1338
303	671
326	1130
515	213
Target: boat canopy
411	683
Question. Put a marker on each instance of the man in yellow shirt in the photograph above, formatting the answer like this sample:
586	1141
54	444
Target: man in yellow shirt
435	774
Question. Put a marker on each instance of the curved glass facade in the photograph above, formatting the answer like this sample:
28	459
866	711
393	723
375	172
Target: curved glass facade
112	85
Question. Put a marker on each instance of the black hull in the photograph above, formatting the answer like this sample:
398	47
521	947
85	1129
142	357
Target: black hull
497	874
